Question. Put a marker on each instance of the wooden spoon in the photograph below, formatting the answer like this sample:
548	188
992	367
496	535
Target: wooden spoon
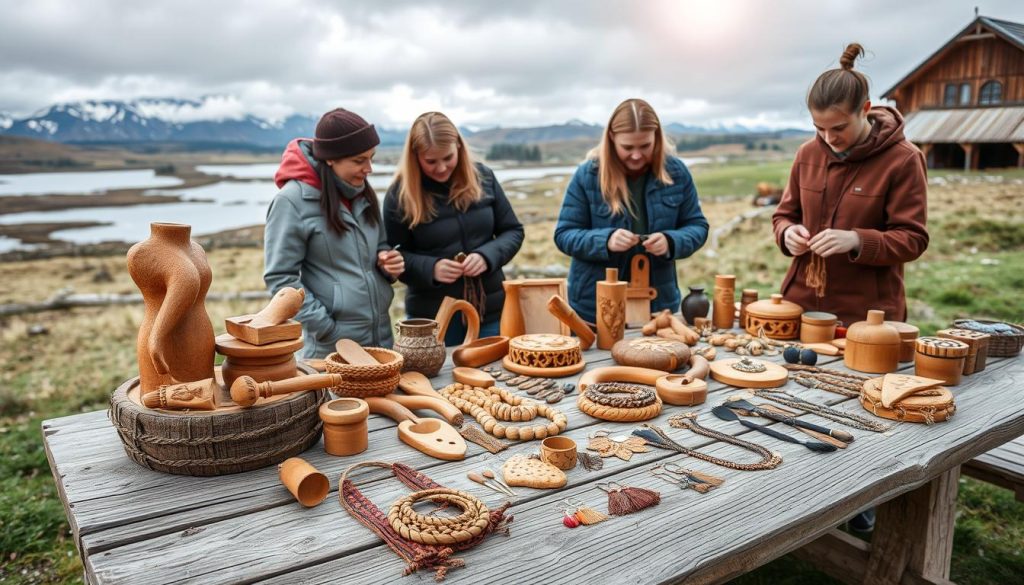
431	436
473	377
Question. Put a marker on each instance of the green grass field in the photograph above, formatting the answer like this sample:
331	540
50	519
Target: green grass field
974	267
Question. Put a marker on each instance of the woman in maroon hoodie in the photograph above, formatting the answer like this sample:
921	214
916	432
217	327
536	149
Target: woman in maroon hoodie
854	210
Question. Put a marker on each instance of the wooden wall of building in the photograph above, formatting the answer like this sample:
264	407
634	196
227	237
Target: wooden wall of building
970	61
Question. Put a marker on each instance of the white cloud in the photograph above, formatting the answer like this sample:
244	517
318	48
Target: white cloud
518	63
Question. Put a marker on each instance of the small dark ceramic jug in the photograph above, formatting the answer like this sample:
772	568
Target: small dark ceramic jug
696	304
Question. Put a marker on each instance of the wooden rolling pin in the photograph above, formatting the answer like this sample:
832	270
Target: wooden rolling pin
198	395
566	314
245	391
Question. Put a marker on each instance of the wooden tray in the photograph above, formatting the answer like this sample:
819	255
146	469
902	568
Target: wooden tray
773	376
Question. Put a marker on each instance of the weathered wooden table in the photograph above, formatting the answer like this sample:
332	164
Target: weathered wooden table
137	526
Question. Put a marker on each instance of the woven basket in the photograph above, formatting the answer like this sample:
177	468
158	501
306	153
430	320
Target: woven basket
999	345
361	380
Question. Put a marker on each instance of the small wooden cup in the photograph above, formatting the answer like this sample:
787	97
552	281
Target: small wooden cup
304	481
345	430
559	451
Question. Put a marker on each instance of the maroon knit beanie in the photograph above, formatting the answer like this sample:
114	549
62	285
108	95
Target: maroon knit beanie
341	133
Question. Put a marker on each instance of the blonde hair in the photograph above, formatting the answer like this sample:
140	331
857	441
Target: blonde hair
434	130
632	115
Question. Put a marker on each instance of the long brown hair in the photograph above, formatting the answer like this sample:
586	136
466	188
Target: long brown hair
632	115
330	199
434	130
842	87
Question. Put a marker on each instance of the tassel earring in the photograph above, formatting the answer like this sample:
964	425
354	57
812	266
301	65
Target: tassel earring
583	514
626	500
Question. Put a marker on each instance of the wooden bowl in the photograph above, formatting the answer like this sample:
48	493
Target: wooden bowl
480	352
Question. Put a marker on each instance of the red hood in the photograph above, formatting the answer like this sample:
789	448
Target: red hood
297	163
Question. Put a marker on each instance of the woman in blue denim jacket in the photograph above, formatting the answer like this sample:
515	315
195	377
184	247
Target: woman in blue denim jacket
631	196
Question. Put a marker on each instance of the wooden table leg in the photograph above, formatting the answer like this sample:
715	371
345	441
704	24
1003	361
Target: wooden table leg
914	533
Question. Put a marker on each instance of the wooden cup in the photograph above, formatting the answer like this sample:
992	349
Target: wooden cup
345	430
304	481
559	451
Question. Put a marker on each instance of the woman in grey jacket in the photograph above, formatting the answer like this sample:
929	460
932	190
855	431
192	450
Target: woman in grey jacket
324	234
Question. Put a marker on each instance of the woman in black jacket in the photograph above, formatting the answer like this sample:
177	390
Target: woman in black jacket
453	223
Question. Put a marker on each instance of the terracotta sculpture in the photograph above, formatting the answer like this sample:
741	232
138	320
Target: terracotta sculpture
611	309
175	342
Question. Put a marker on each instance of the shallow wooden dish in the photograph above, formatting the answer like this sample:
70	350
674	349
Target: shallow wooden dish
480	352
773	376
681	390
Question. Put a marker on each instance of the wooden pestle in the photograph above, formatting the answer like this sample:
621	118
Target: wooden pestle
566	314
285	304
245	390
198	395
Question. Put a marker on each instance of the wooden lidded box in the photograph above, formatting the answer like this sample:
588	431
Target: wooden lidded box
908	335
977	341
778	318
940	358
872	346
817	327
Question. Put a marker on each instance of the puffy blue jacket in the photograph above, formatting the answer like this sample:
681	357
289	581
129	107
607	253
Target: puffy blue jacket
586	222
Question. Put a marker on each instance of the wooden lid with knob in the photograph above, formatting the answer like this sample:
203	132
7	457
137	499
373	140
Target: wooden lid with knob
775	308
873	331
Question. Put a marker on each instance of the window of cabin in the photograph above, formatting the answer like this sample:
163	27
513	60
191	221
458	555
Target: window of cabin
965	94
949	98
991	93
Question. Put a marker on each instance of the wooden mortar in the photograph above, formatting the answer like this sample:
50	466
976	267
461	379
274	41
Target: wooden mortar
940	358
345	430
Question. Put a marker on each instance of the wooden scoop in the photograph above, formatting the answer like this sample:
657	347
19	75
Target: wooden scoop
438	405
431	436
416	384
354	353
473	377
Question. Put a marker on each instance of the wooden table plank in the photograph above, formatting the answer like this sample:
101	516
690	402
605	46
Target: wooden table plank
270	535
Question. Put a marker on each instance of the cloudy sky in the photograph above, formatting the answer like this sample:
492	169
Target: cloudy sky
514	63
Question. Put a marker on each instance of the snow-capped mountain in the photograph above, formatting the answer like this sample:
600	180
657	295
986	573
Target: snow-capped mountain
220	119
156	119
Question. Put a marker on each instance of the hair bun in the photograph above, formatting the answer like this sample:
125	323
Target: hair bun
853	50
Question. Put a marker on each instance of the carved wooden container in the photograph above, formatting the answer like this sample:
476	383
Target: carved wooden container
908	335
872	346
940	358
724	313
611	309
977	341
817	327
780	319
418	344
263	363
345	430
544	355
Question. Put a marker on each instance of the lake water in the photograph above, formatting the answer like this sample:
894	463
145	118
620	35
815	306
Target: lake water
82	183
238	203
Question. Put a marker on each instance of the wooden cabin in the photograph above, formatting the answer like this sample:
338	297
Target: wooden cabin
964	105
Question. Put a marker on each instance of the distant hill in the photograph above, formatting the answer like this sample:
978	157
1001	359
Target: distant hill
201	124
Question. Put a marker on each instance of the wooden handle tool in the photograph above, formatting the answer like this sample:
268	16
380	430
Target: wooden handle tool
566	314
245	391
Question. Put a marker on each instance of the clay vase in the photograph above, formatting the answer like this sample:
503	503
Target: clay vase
512	324
696	304
418	343
724	314
611	309
175	342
